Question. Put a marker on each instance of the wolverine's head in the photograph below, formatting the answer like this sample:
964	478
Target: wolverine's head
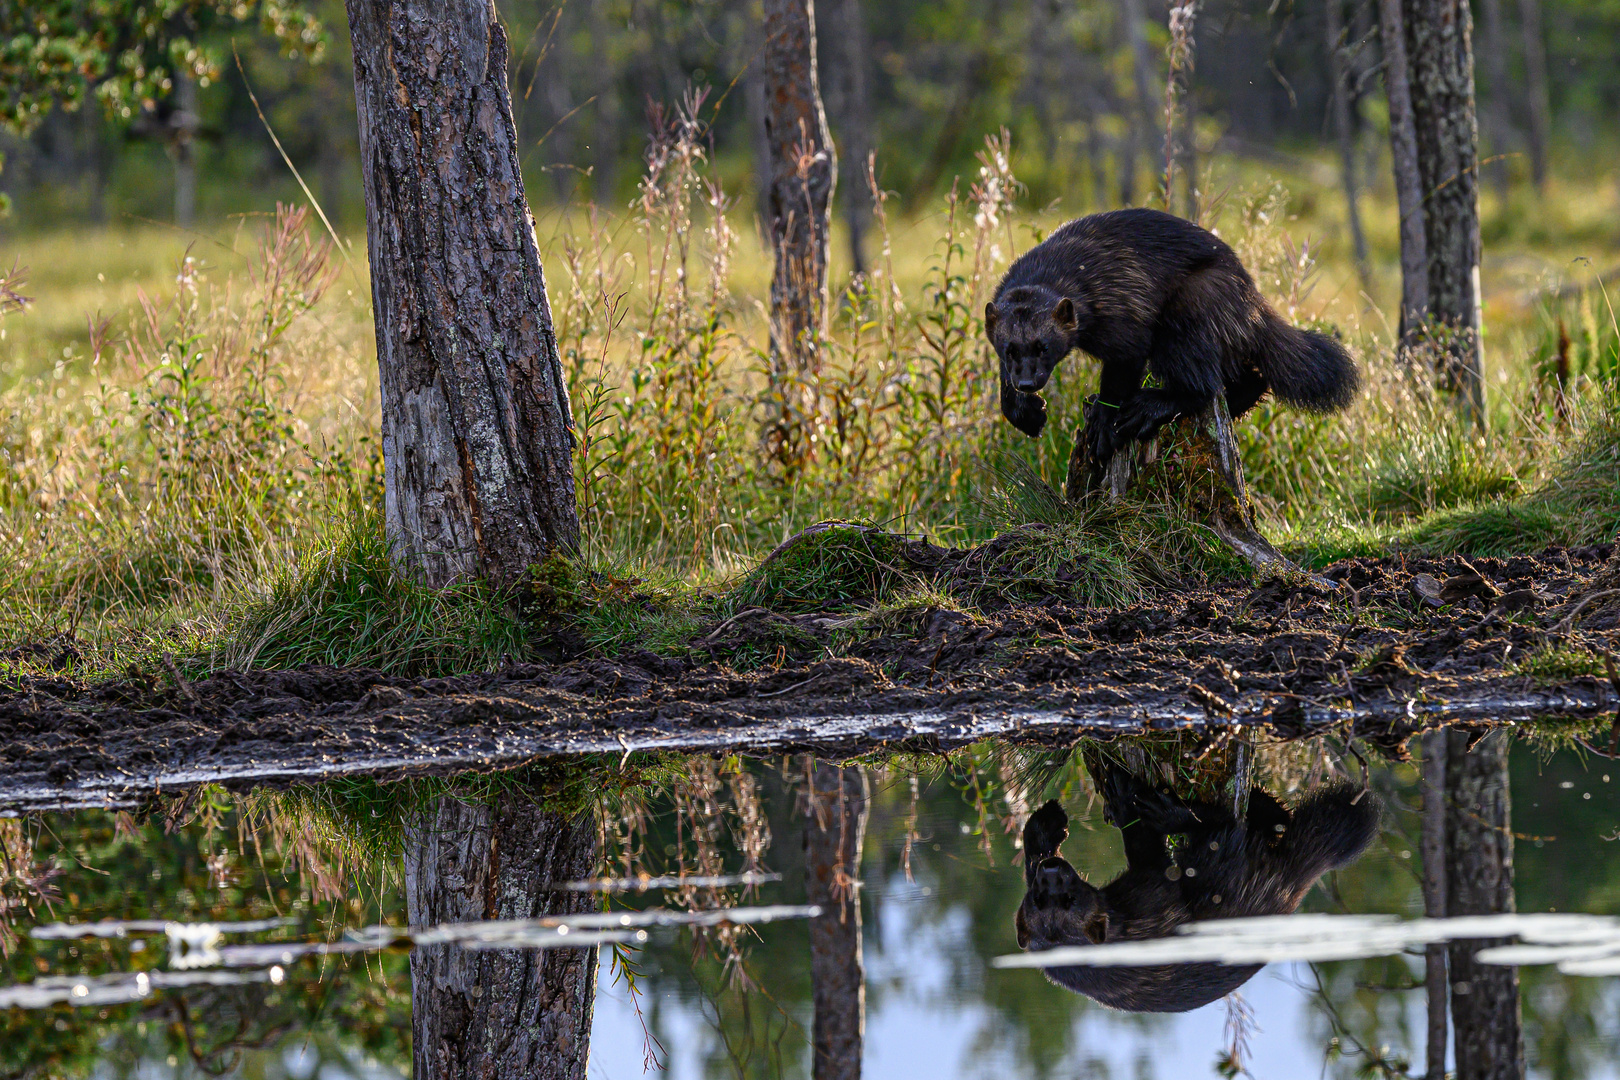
1032	329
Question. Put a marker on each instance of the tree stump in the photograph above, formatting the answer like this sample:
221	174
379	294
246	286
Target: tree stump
1199	466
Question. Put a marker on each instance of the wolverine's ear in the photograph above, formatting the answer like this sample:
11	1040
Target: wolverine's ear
1026	411
1096	927
1063	315
991	317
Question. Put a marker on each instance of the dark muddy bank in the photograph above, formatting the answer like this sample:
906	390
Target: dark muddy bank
1399	645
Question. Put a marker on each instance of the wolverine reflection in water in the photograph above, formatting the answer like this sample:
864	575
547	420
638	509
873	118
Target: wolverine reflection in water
1217	867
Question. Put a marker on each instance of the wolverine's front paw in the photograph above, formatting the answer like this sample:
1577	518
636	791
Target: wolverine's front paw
1138	421
1101	437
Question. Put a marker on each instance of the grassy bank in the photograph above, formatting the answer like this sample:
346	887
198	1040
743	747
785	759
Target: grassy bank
197	474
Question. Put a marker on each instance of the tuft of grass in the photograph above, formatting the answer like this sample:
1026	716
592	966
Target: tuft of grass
1558	663
831	565
342	603
1578	502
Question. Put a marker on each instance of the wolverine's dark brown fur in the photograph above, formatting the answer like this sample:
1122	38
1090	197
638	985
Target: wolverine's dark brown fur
1222	869
1146	291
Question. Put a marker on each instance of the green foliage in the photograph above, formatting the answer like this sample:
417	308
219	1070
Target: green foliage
126	53
828	566
344	603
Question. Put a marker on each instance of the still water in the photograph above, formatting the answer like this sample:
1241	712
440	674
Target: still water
940	885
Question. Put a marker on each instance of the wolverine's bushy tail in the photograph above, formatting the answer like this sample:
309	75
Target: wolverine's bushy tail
1306	369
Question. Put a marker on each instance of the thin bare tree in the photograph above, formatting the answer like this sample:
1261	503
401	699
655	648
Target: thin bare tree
1339	72
1535	78
1408	178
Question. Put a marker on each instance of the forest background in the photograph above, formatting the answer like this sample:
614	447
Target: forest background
190	395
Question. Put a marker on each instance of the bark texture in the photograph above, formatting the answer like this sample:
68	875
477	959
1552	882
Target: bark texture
1485	1008
1408	178
1343	129
1440	54
496	1013
802	176
477	434
834	829
1434	896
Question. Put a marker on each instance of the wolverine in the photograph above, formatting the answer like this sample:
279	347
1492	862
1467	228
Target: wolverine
1145	291
1186	861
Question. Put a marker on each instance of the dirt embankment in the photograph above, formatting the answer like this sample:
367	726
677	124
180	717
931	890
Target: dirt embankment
1397	646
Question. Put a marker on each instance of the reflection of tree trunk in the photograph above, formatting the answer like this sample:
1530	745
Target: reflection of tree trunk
1408	178
835	824
498	1012
477	435
1339	72
1479	870
1535	77
1434	895
185	150
1439	35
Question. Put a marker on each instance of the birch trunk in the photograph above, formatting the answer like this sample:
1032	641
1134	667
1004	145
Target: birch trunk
1485	1009
477	434
1441	74
834	829
1408	178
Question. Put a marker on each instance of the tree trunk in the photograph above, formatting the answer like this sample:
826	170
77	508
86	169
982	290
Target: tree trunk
1479	870
1142	125
1179	119
1339	72
477	434
1440	51
855	120
1408	178
605	140
1498	120
496	1013
834	828
184	137
1535	77
1434	896
803	173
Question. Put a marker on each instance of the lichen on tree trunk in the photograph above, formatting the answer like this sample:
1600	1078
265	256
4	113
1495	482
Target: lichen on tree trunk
476	431
1439	40
498	1012
1485	1011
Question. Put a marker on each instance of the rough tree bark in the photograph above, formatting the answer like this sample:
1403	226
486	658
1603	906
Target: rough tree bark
1485	1009
834	829
1441	75
1408	178
1498	118
477	434
1434	896
495	1013
801	181
1340	74
1535	78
